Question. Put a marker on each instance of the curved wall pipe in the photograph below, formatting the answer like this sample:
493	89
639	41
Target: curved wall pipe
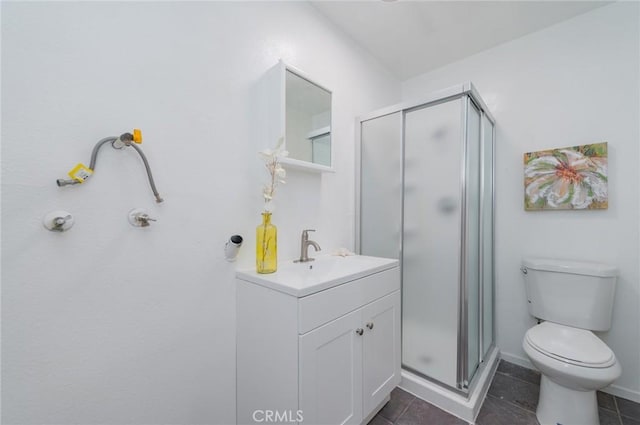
126	139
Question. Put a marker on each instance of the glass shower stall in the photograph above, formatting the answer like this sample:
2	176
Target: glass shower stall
425	185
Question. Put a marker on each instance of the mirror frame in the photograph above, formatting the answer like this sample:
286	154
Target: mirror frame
292	162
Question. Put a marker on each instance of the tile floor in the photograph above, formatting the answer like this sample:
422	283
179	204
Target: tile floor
512	400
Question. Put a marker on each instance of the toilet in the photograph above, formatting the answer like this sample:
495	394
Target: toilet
570	299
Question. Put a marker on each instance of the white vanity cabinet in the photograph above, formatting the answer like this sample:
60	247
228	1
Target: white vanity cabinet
321	353
346	368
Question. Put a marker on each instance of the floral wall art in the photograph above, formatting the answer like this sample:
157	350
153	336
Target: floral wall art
566	178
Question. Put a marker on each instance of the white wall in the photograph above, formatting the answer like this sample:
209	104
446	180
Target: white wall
574	83
113	324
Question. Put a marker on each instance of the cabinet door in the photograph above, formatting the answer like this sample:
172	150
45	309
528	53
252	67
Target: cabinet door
381	349
331	372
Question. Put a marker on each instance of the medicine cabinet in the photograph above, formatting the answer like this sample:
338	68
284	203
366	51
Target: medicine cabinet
299	109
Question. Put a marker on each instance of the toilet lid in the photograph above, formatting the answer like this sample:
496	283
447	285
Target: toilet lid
576	346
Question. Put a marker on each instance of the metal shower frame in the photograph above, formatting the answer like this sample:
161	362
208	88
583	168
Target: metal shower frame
472	97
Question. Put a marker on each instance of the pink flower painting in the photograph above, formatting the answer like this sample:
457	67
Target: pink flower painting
566	178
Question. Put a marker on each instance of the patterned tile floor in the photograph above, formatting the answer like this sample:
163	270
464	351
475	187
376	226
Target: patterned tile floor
512	400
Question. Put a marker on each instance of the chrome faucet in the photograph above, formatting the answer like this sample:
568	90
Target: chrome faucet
304	247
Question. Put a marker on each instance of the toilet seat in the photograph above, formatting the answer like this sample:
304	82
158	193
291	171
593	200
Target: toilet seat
575	346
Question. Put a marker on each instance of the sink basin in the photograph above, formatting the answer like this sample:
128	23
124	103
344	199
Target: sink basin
327	271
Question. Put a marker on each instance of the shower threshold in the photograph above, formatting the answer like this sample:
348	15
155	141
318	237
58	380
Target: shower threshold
466	407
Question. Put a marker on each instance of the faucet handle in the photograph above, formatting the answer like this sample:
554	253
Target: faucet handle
139	217
308	230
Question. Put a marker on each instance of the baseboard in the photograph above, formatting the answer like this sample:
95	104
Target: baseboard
520	361
613	389
622	392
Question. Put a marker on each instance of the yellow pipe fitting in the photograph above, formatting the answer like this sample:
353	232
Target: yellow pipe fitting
137	136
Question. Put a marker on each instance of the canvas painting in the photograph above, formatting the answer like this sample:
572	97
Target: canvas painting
566	178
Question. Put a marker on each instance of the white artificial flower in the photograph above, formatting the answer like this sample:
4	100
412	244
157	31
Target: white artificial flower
271	158
267	155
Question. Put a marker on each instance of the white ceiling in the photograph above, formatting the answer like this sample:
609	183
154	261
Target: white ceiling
413	37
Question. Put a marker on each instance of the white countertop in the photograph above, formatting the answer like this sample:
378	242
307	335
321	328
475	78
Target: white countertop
327	271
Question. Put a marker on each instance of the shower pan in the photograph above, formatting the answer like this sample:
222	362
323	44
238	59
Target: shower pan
426	196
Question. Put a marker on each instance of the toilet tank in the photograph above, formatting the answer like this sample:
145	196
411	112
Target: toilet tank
572	293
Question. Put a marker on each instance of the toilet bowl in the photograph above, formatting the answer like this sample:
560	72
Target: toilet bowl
574	363
573	298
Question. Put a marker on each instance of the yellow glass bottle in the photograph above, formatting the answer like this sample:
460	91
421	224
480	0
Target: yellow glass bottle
266	245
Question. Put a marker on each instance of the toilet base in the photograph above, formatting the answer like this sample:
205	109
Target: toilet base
564	406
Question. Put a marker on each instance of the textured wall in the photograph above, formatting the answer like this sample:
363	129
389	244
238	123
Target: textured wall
113	324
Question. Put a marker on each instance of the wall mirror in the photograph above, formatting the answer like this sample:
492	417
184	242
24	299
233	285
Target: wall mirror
297	108
307	121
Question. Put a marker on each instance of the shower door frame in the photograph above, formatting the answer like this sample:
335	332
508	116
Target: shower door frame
468	90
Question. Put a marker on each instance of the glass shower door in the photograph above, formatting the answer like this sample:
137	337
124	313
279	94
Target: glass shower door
381	186
432	240
426	197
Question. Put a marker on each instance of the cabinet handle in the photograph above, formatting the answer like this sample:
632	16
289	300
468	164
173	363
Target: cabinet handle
359	331
370	325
